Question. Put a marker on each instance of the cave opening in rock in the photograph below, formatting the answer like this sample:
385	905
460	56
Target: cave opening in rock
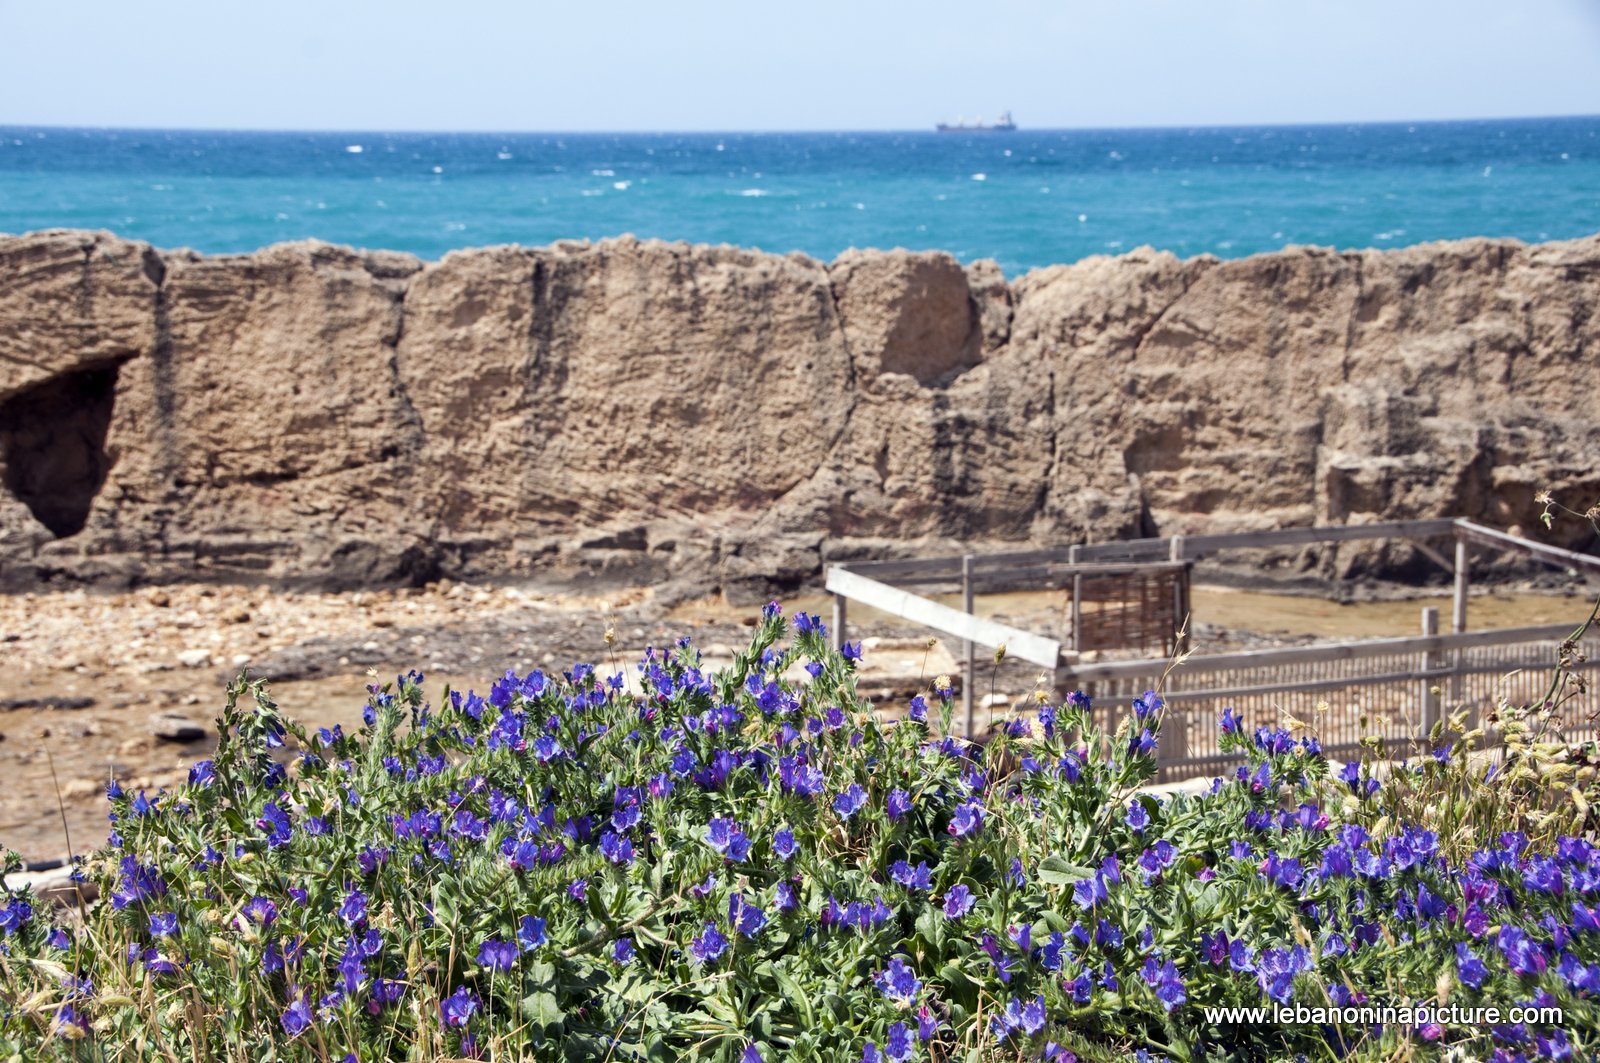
52	446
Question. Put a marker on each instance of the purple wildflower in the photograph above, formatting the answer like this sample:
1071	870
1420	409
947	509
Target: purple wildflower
728	838
1525	955
746	918
916	878
1088	892
297	1017
497	955
617	848
897	1045
1276	971
958	901
784	897
1165	980
1157	859
531	933
967	820
851	801
457	1009
898	982
709	946
15	916
1468	967
274	823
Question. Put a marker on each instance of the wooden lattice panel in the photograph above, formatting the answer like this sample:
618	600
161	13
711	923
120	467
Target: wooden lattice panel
1130	611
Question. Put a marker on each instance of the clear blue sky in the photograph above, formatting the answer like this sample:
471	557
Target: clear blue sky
816	64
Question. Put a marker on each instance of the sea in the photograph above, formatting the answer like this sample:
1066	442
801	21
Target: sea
1025	199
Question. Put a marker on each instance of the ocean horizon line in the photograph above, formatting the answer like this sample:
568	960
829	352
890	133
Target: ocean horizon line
820	131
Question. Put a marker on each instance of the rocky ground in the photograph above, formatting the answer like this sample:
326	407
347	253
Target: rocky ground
95	685
127	684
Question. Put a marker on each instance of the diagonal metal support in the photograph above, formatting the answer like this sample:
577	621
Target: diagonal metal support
902	603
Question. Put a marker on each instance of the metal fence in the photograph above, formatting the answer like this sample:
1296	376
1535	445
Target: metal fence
1346	691
1396	688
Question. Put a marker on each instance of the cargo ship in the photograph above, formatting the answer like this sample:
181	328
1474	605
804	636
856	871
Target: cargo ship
1003	124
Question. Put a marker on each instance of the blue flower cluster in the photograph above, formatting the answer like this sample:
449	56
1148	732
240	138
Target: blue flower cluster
749	865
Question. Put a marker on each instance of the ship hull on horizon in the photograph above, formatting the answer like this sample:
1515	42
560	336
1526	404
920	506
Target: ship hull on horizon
945	128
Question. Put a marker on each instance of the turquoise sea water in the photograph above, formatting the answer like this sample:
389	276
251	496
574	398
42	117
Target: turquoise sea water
1027	199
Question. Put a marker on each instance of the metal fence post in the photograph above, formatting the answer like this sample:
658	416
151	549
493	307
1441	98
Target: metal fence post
1430	662
971	674
1077	601
1180	604
1458	617
838	621
1174	746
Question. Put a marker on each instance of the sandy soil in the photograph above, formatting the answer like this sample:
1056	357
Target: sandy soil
89	679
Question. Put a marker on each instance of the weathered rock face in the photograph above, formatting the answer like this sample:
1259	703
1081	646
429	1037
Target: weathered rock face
639	407
724	418
71	301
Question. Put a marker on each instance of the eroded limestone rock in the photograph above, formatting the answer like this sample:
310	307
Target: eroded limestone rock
710	417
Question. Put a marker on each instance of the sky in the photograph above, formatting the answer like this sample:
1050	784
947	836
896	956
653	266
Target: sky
683	65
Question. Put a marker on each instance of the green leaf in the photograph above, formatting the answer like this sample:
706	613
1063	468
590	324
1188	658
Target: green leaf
444	905
1054	920
796	996
930	924
961	991
542	1010
718	1009
1055	871
638	988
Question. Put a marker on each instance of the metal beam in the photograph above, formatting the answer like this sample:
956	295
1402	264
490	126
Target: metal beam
1303	686
945	567
1312	686
1194	547
1027	577
1018	643
1506	541
1431	554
